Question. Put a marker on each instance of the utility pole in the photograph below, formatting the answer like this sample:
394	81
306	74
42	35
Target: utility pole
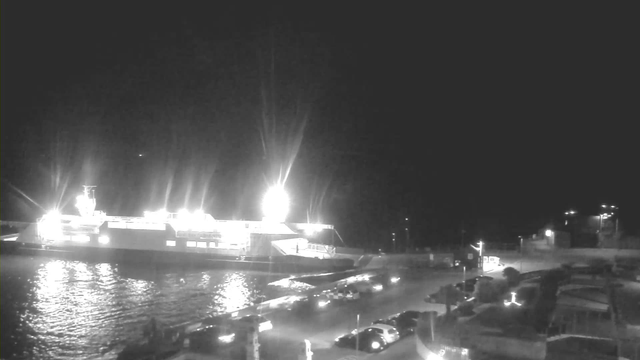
393	239
480	261
358	333
407	226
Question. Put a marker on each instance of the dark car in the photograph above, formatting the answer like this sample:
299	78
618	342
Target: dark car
309	305
367	340
210	337
264	324
439	296
405	322
469	285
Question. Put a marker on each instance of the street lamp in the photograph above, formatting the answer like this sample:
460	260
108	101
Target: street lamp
567	214
393	238
275	205
479	250
408	238
605	215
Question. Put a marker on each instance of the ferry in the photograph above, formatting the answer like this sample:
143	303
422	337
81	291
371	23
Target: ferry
182	238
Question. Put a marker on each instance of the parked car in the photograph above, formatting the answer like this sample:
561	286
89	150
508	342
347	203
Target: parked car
310	304
389	333
347	293
264	324
368	287
469	285
438	297
367	340
405	322
208	338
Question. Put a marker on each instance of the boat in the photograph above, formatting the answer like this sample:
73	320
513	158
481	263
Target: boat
183	238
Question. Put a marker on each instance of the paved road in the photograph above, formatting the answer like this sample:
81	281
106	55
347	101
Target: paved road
323	327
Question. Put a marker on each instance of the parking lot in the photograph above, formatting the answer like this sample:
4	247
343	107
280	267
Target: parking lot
323	326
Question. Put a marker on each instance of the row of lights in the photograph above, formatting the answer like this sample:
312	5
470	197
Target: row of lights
275	207
604	206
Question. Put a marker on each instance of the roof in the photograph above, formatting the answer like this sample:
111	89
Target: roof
382	326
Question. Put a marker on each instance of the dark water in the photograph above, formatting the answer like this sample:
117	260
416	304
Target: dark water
58	309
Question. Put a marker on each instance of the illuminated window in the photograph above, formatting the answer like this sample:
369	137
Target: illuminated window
202	244
191	244
171	243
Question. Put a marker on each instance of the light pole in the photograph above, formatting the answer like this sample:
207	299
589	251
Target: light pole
479	250
615	211
408	241
568	214
521	251
406	229
393	239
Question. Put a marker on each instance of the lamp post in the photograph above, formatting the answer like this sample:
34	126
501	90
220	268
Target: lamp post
615	211
479	250
408	241
408	244
393	239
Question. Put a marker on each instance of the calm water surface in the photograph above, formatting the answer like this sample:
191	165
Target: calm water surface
59	309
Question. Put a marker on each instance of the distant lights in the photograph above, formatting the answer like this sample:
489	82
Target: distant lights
103	239
548	232
156	215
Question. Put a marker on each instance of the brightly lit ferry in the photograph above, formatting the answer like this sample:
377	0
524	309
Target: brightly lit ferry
184	238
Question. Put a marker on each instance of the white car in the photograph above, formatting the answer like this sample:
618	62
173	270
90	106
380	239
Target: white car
389	333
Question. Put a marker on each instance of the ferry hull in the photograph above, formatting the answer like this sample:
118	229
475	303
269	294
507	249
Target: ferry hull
277	264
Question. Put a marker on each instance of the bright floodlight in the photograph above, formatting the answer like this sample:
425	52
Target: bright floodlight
275	205
183	214
53	214
548	233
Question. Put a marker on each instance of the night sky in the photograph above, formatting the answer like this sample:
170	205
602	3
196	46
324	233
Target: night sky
495	120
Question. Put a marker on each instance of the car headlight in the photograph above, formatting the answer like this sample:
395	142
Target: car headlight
377	287
395	279
323	303
375	345
226	339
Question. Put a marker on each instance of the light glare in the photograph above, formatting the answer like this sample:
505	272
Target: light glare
275	205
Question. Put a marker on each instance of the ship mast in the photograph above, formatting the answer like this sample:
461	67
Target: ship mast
86	203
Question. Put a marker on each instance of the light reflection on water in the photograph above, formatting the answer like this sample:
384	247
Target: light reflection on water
77	310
